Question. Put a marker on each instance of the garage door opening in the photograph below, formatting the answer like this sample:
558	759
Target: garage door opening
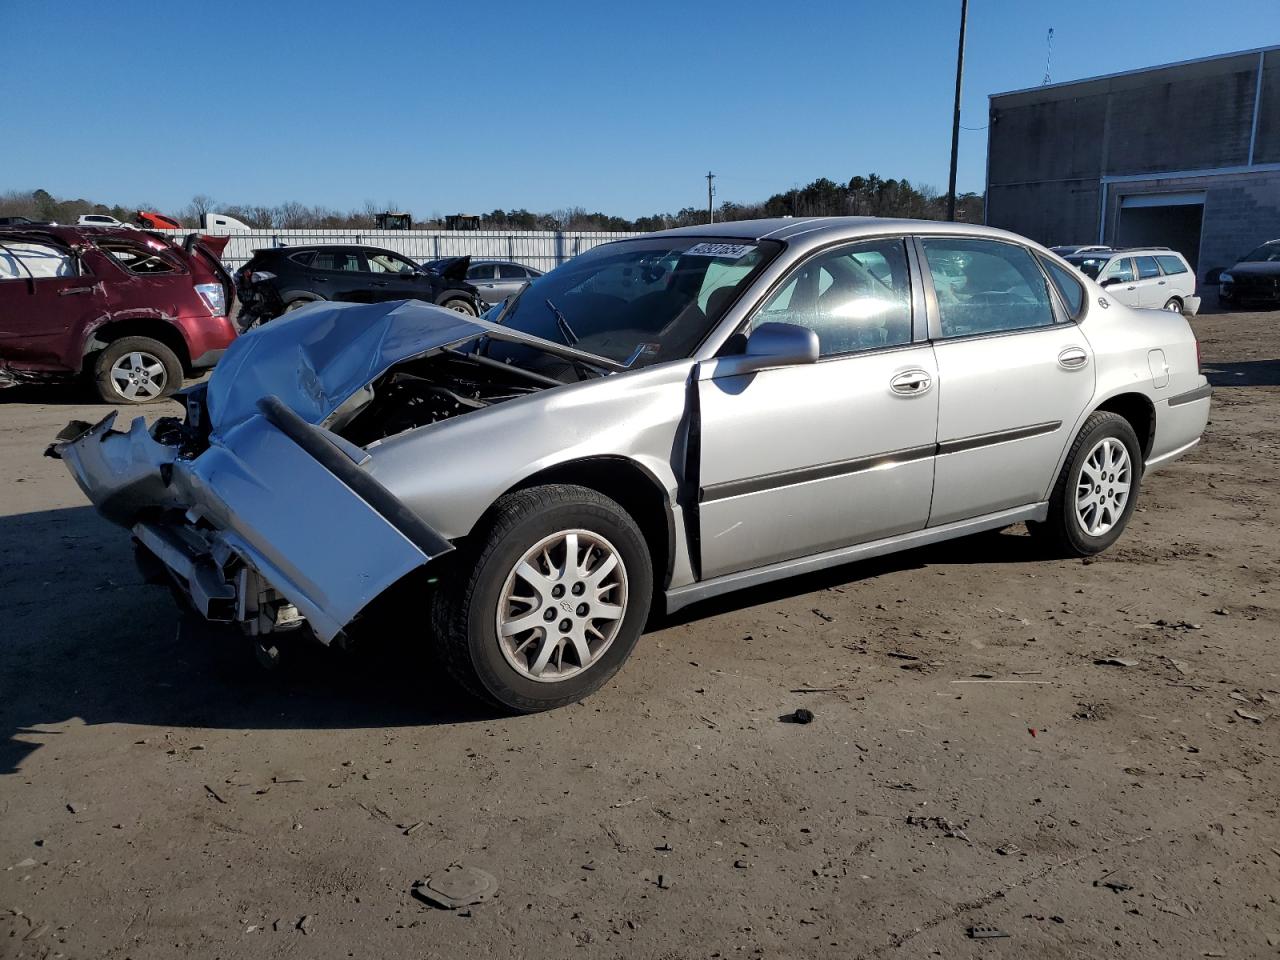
1168	220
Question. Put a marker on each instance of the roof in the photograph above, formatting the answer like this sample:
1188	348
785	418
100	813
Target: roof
1139	70
814	229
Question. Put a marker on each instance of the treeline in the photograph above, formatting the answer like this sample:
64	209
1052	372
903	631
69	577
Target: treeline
861	196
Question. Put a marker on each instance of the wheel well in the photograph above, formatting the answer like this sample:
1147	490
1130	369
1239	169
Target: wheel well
1141	414
159	330
635	490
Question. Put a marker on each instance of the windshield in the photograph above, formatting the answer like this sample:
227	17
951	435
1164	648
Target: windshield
635	301
1268	252
1089	266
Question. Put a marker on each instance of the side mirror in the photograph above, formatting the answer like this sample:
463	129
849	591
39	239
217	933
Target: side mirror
1108	282
780	345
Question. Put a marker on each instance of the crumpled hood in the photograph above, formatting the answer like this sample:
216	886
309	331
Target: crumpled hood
315	358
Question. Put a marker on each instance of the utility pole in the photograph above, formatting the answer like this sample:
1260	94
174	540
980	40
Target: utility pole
711	210
955	119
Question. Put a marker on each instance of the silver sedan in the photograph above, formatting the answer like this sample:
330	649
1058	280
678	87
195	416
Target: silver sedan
658	421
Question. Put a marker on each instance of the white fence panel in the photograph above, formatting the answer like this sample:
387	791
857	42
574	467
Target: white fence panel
540	249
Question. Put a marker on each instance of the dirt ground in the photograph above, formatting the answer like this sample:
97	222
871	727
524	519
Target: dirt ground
969	762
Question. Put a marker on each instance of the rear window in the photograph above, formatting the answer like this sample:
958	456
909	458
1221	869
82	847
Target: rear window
1171	265
138	259
1147	268
509	271
39	261
1067	285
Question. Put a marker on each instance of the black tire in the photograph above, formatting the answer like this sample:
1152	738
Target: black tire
460	305
1061	530
465	605
114	389
1173	305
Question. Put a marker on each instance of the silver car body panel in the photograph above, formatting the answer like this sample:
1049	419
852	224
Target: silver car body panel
762	474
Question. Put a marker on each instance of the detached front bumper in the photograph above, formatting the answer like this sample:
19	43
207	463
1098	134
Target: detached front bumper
271	523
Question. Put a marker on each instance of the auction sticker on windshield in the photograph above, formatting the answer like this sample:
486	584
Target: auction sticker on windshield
731	251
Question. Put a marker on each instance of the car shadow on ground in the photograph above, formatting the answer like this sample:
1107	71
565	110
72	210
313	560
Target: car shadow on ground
86	638
1245	373
996	546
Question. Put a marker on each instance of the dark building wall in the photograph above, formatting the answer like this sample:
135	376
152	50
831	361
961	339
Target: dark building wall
1049	148
1267	148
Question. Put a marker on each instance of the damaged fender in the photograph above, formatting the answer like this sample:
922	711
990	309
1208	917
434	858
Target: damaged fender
271	494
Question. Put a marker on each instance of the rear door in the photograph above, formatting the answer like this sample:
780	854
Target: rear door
1015	375
483	277
339	273
46	297
1150	284
796	460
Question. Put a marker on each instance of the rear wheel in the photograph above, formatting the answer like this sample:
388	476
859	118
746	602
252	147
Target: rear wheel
547	600
298	304
1097	489
136	370
1173	305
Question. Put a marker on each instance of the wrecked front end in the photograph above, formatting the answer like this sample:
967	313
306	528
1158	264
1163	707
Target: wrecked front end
257	505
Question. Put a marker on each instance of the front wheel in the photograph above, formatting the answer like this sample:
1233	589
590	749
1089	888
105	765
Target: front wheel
461	305
1097	489
546	601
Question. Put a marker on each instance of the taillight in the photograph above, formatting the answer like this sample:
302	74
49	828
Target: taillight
214	297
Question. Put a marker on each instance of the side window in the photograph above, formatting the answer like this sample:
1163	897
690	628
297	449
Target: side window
1068	286
40	261
385	263
335	260
1147	268
480	272
985	286
304	258
509	271
856	297
138	259
1171	265
1119	269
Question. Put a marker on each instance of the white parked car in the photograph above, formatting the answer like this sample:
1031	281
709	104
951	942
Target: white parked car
102	220
1154	277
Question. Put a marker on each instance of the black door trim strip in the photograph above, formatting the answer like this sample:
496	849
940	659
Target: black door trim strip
1000	436
1191	396
839	468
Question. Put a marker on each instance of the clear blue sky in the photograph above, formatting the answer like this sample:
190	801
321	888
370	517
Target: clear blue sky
620	107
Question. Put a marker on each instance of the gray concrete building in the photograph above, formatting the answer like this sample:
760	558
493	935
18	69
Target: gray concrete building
1185	155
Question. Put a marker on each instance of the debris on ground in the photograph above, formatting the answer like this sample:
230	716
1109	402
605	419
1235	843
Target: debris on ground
986	933
304	924
799	716
457	886
1246	715
289	778
948	828
1116	662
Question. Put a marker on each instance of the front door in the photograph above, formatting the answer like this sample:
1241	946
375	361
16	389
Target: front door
1121	281
1015	376
801	459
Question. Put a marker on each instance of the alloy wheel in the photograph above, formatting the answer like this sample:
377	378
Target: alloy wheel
138	376
1102	489
562	605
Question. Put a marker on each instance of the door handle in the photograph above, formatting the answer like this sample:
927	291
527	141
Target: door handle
911	383
379	283
1073	358
1161	283
73	290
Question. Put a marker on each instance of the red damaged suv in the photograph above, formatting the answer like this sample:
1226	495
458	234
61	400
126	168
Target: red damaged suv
133	310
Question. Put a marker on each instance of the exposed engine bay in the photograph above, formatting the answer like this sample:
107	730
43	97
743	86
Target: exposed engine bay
428	390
